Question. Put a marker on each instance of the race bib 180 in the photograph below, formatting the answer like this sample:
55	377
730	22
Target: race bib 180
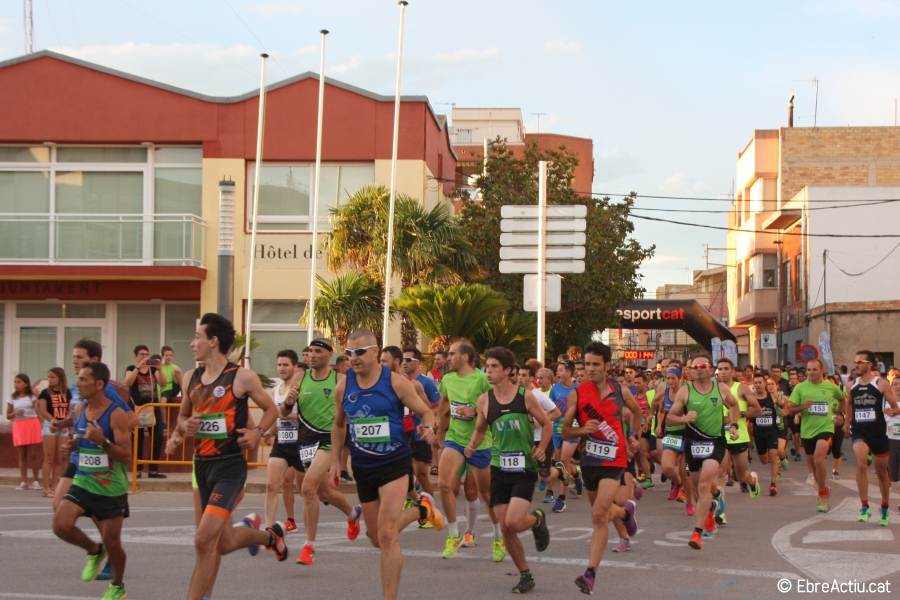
372	430
287	433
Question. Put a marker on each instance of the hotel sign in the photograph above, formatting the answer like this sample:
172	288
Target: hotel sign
282	251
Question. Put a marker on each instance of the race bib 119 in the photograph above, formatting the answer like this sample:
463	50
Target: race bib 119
601	449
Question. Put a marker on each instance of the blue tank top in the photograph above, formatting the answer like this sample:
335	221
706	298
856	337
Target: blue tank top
111	394
667	406
376	422
96	471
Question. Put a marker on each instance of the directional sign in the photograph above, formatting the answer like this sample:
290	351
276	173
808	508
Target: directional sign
534	225
576	238
552	266
552	293
531	252
556	211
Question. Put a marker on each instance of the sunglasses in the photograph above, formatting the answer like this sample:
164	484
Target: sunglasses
359	351
861	362
701	366
408	359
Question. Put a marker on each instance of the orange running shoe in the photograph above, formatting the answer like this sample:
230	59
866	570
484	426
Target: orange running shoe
695	541
307	556
353	526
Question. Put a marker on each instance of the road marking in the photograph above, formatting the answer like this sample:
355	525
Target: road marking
27	515
842	535
721	587
828	565
44	597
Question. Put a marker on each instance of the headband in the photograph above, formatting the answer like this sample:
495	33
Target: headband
322	344
675	371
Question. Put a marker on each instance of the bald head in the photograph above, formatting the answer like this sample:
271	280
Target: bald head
364	336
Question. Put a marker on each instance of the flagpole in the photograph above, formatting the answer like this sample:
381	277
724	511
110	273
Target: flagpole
256	171
390	232
311	324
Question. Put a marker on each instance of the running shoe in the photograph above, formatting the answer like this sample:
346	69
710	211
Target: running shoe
720	501
708	534
307	556
835	475
680	497
426	526
36	486
540	530
864	514
345	476
498	550
885	519
433	515
251	521
695	542
797	458
720	520
663	478
290	526
560	505
549	497
106	574
674	492
353	525
542	485
784	464
773	490
525	585
869	459
689	509
469	540
778	477
564	476
408	503
114	592
279	547
822	505
92	568
754	486
585	582
710	523
811	480
744	488
730	481
450	547
579	482
622	546
638	492
21	486
629	521
648	484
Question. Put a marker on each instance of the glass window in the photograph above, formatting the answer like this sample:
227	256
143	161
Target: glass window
106	241
87	192
37	351
178	191
135	324
100	154
276	327
282	313
24	191
181	322
179	155
798	269
52	310
23	237
84	311
788	284
764	267
739	281
24	154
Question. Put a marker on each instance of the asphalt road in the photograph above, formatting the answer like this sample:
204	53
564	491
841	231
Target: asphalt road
766	540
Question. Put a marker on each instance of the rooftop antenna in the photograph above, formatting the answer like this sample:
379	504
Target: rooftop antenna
539	120
814	81
29	27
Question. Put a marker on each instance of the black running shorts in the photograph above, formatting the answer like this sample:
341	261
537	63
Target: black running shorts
878	444
289	453
506	486
100	507
696	452
765	439
368	481
422	451
220	480
809	444
592	476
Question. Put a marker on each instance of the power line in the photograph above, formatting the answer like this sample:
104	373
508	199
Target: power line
822	235
722	212
884	258
257	39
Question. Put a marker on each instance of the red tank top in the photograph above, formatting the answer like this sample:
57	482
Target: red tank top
606	446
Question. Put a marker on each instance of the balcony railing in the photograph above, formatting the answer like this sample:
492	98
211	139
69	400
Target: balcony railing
514	134
158	240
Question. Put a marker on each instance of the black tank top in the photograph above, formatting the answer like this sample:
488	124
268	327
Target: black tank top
868	408
768	418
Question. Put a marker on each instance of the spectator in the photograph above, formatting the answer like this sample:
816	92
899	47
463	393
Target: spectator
173	374
893	373
142	379
26	430
342	363
440	360
845	377
53	405
879	364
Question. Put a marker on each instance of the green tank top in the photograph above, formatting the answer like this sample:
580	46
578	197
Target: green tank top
709	421
513	434
169	372
743	432
315	403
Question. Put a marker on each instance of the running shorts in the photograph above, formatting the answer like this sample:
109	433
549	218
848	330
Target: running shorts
738	448
651	442
289	453
782	434
69	473
836	443
505	486
422	451
765	440
592	476
699	451
368	481
878	444
809	444
100	507
220	480
795	427
558	440
480	459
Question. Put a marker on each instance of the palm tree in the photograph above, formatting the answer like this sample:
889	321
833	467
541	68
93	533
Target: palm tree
516	331
447	313
348	302
429	245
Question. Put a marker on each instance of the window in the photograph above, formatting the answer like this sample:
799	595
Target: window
788	297
95	203
739	281
798	269
285	190
276	326
154	325
763	269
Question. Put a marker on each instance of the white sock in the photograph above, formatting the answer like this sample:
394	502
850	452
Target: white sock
353	514
472	515
497	533
452	530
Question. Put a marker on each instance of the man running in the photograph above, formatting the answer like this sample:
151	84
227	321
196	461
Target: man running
525	380
435	374
698	406
738	450
812	399
672	437
100	486
422	450
284	460
215	412
371	400
597	405
765	428
564	449
868	431
509	411
460	390
643	455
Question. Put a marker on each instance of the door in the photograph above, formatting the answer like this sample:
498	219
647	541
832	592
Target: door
43	344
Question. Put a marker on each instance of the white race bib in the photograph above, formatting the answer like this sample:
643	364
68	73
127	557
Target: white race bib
864	415
512	462
764	421
895	430
212	426
818	408
673	443
372	430
601	449
92	460
307	453
287	432
454	410
701	449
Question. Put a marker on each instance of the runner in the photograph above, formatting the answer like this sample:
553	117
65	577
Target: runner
460	390
440	359
697	406
868	431
765	428
738	450
837	407
781	416
564	449
674	465
315	412
525	379
215	413
422	451
580	373
100	486
509	411
811	399
597	404
284	459
643	456
371	400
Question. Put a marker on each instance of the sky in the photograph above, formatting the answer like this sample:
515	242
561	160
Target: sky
668	92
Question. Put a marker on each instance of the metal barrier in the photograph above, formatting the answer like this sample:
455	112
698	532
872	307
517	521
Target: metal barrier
255	457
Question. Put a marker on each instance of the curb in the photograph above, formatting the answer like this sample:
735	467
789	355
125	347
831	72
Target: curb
171	485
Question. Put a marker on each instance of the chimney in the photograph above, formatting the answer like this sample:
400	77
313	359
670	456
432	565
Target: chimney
791	110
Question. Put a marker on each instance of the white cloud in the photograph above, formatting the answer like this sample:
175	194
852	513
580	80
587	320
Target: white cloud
612	164
273	9
561	47
306	51
680	185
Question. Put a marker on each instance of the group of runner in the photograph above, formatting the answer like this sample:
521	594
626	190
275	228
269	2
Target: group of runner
494	433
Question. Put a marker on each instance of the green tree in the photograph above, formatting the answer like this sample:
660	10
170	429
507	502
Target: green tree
610	280
514	330
429	245
348	302
239	350
446	313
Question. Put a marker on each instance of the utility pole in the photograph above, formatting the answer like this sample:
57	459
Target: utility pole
29	27
538	115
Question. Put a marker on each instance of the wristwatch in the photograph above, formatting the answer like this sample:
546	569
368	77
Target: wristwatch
105	444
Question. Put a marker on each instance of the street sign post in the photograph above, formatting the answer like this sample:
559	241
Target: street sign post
807	353
533	266
574	238
552	293
529	225
552	253
556	211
